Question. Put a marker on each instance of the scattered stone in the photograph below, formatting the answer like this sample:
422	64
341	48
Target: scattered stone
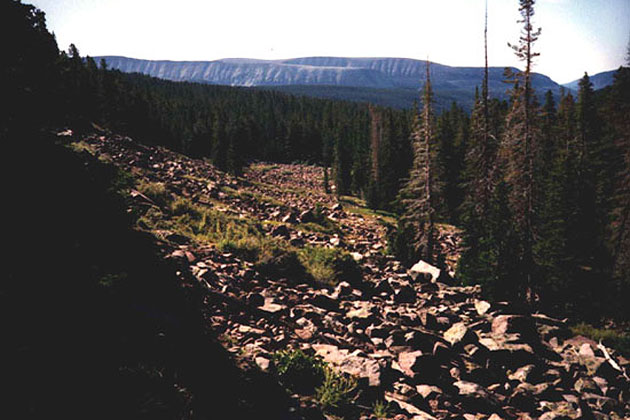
515	324
280	231
364	311
405	294
435	350
272	307
406	406
421	268
255	299
428	391
481	306
351	363
263	363
177	239
458	333
357	256
307	216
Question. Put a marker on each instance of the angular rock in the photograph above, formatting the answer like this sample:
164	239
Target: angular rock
523	374
423	270
324	302
352	363
481	306
402	402
428	391
405	294
280	231
358	257
363	311
263	363
477	397
560	409
307	216
271	307
409	362
255	299
459	334
514	324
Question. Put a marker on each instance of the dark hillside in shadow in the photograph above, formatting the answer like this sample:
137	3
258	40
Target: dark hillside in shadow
96	324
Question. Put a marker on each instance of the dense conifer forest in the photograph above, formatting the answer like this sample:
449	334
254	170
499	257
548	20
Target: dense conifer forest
540	189
540	192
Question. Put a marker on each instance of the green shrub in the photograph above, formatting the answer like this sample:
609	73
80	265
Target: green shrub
618	340
328	228
282	262
329	266
336	391
381	409
156	191
299	372
183	206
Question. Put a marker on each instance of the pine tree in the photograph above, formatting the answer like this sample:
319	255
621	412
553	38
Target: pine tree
518	149
618	110
326	181
485	214
376	136
553	207
418	193
481	155
341	170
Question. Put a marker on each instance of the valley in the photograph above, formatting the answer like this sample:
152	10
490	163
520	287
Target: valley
259	248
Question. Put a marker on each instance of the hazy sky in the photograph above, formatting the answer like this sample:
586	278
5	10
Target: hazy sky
577	35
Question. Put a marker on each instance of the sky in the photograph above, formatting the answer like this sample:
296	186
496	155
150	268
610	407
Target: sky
577	35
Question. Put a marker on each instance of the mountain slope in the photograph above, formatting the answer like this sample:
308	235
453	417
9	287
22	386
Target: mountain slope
599	80
431	348
450	83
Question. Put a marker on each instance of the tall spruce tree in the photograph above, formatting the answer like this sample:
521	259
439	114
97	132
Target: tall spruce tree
618	110
481	156
489	242
419	192
376	137
553	206
518	149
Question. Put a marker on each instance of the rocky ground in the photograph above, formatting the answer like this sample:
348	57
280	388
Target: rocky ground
413	338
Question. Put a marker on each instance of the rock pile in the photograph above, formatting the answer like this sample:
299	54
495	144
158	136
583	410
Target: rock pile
431	348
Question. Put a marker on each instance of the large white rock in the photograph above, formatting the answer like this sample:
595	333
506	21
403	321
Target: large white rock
422	268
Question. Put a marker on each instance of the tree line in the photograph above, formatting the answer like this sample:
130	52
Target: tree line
542	194
539	189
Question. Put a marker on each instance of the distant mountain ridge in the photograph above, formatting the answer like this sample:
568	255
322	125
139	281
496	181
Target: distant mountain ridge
599	80
403	75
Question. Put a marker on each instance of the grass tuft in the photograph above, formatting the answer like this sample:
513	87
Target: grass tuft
156	191
329	266
616	339
381	409
336	391
298	371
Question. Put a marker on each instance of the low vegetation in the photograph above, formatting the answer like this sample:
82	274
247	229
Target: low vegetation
298	371
614	338
381	409
329	266
245	238
357	206
155	191
336	391
309	375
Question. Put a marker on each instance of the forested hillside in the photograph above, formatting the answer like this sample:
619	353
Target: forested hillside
573	163
153	224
